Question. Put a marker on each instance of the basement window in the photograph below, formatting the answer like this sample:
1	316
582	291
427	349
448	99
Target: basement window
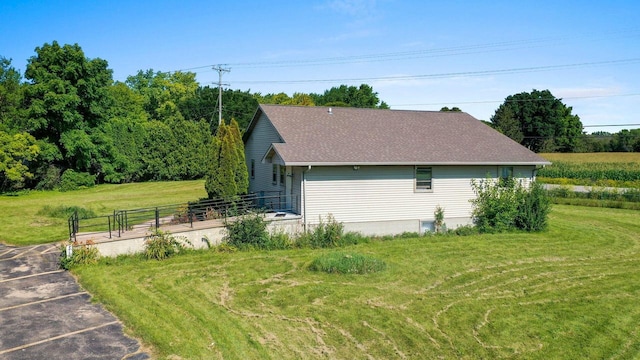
423	177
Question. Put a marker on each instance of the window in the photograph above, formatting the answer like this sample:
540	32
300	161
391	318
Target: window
423	178
274	174
506	175
283	173
253	169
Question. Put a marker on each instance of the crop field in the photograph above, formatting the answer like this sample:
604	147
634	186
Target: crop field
602	157
26	221
568	293
599	169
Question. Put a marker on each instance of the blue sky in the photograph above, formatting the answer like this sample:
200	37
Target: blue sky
416	54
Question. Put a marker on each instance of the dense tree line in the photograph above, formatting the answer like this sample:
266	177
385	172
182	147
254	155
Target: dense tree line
541	122
66	121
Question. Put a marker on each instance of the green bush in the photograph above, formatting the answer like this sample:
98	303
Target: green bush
65	212
353	238
247	231
161	245
71	180
502	206
279	240
325	234
533	209
50	179
466	230
347	263
82	254
225	248
495	206
439	219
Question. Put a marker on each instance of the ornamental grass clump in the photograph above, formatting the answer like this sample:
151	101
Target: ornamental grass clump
347	263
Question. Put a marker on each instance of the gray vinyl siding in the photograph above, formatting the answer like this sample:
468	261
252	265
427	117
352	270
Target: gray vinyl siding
387	193
261	138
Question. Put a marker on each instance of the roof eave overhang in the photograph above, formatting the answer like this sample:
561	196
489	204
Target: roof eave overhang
443	163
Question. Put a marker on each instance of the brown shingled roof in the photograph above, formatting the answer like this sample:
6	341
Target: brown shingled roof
352	136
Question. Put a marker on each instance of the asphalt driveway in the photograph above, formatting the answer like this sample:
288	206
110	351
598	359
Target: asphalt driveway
45	314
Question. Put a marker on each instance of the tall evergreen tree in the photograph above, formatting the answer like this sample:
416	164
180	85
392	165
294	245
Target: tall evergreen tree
240	166
227	177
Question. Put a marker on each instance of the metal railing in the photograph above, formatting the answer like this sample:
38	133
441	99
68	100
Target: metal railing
122	221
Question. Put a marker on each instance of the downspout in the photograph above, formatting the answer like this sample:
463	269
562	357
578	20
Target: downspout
304	197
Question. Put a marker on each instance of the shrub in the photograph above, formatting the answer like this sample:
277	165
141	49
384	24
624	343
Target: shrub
501	206
50	179
279	240
326	234
439	219
71	180
247	231
465	230
161	245
64	212
534	209
353	238
82	254
225	248
495	206
347	263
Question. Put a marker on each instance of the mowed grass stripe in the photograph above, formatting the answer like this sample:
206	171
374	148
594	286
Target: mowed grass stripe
567	293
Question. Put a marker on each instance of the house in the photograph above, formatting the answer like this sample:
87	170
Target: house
377	171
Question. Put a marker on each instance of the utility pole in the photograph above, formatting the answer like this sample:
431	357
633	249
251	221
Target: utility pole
220	70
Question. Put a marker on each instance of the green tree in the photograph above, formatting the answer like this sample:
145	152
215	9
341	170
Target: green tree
163	92
238	104
453	109
16	151
10	95
626	140
545	122
241	172
227	177
505	121
343	95
66	99
126	103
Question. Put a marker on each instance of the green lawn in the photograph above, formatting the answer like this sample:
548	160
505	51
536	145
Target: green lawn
21	224
569	293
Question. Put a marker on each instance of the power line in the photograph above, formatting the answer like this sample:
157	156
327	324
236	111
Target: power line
448	75
517	100
437	52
